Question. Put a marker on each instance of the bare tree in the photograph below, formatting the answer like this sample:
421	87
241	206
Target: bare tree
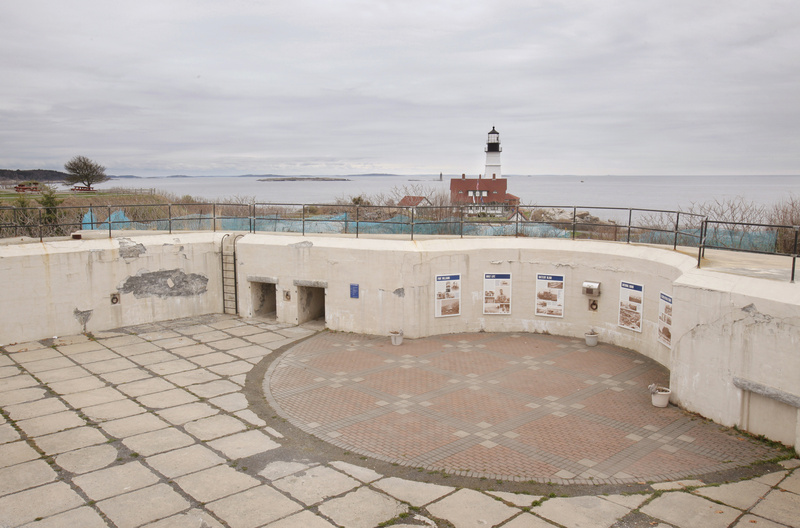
83	170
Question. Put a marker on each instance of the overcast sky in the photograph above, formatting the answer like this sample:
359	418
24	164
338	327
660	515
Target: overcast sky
583	87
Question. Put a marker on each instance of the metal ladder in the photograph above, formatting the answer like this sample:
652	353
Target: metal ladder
230	304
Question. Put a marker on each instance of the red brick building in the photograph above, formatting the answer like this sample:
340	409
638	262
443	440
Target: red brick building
482	195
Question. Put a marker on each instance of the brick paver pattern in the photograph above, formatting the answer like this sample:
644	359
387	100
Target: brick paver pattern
506	406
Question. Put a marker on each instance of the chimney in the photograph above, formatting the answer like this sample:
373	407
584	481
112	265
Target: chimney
479	176
463	176
494	176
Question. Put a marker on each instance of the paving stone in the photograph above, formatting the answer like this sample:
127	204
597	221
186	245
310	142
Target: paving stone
111	365
21	396
751	521
192	350
83	517
629	501
415	493
172	367
214	427
17	382
25	475
191	377
792	483
363	508
468	508
240	379
125	375
145	386
231	368
740	495
316	484
215	358
244	444
54	376
216	482
48	364
213	388
7	371
209	337
191	519
70	340
237	510
5	360
229	344
363	474
94	356
39	354
771	479
88	459
51	423
23	411
185	413
174	340
7	434
157	441
526	520
264	338
79	348
251	417
304	519
791	463
113	410
16	453
76	385
115	480
136	349
779	506
230	402
244	330
170	398
184	461
80	400
152	358
280	469
689	511
44	501
521	500
677	484
126	510
580	512
250	352
69	440
133	425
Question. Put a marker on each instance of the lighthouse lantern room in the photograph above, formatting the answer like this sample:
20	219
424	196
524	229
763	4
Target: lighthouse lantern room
493	151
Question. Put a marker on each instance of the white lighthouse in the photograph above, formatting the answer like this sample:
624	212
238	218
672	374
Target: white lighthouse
493	151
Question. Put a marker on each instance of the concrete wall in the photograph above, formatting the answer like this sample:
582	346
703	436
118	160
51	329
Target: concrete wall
66	287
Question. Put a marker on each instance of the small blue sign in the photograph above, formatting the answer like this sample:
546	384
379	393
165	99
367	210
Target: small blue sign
354	291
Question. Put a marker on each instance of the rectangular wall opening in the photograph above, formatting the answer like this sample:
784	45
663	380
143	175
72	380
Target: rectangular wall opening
310	304
265	300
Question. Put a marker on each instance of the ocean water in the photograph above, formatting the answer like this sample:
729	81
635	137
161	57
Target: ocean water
640	192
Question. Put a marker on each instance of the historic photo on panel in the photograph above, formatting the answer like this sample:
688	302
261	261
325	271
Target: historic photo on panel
447	291
497	293
549	295
631	302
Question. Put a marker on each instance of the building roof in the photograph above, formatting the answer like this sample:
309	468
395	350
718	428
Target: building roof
493	131
495	189
411	201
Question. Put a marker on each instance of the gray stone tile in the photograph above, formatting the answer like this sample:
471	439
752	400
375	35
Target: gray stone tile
363	508
153	358
157	441
191	377
145	386
101	354
21	396
70	340
23	347
751	521
689	511
214	427
238	512
25	475
120	341
170	398
126	510
44	501
526	520
192	350
53	376
185	413
520	500
232	369
17	382
175	341
792	483
89	398
172	367
241	445
76	385
111	365
250	352
771	479
88	458
52	423
115	480
229	344
113	410
280	469
23	411
136	349
244	330
215	358
80	348
133	425
191	519
126	375
7	434
38	354
83	517
213	388
363	474
7	371
304	519
316	484
15	453
629	501
5	360
216	482
184	461
230	402
210	337
584	511
740	495
780	506
414	493
468	508
48	364
69	440
250	417
193	329
239	379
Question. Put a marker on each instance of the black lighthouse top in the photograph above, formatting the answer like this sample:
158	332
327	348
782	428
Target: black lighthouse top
493	143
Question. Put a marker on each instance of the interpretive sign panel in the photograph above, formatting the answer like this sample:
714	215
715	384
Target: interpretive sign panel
631	302
665	319
497	293
447	290
549	295
354	291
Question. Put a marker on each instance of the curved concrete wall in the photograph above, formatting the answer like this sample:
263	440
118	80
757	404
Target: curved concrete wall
735	354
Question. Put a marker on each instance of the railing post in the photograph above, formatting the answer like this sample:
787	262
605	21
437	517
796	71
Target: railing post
574	220
40	225
108	219
794	251
702	242
357	207
677	222
169	217
304	219
516	226
630	220
214	216
461	216
412	223
16	223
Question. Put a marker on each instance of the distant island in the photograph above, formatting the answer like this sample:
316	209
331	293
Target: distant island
32	175
301	178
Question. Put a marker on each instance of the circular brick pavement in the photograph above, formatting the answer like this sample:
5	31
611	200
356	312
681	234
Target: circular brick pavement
505	406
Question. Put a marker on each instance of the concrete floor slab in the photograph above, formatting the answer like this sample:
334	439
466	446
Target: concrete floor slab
79	400
17	382
780	506
470	509
113	410
526	520
133	425
752	521
145	386
184	413
15	453
581	512
23	411
88	459
521	500
69	440
22	396
280	469
363	508
83	517
52	423
216	482
213	388
184	461
238	512
76	385
792	483
316	484
415	493
214	427
304	519
25	475
44	501
172	367
363	474
126	375
689	511
243	445
191	377
115	480
741	495
157	441
191	519
230	402
170	398
127	510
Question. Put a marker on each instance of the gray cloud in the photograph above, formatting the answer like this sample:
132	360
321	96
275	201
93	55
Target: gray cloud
316	87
